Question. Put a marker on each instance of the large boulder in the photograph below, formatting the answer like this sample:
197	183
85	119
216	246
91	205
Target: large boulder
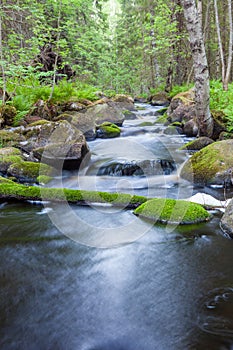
60	145
97	115
124	102
24	171
13	164
227	220
180	105
197	144
211	165
107	112
160	99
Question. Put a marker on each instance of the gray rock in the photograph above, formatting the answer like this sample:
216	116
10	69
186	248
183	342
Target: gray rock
59	144
227	220
190	128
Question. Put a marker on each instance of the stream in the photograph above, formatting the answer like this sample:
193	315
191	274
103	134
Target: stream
99	278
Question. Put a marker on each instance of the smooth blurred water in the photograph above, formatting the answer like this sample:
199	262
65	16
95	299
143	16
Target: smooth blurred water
159	290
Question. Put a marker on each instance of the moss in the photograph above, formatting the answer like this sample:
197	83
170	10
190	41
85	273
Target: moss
108	130
29	170
9	151
146	124
162	111
8	138
172	211
21	192
43	179
197	144
179	124
10	159
187	97
126	112
203	166
40	122
4	180
140	108
162	119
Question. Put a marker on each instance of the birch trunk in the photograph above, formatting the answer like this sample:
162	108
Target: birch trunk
201	71
226	69
2	58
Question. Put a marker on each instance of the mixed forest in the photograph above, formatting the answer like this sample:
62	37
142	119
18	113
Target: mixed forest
134	46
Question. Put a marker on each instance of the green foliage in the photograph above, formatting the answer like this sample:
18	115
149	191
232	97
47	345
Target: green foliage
222	100
176	89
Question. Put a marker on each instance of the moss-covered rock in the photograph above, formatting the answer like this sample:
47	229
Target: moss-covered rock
8	156
58	144
182	107
129	115
145	124
43	179
39	122
8	114
28	171
162	119
160	99
107	112
211	165
171	211
9	138
11	190
173	130
198	144
4	180
108	130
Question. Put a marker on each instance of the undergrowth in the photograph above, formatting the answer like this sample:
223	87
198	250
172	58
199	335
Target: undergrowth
25	92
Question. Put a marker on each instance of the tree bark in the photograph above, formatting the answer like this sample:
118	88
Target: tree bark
2	58
201	71
226	69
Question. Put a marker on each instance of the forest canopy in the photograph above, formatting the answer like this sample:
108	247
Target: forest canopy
133	46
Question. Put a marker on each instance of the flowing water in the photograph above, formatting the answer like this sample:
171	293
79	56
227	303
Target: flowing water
99	278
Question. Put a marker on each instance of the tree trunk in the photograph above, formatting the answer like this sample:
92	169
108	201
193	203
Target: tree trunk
2	58
226	70
201	72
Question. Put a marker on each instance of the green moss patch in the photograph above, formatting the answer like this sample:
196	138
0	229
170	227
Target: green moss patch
108	130
43	179
161	119
40	122
10	190
9	138
171	211
29	170
206	165
197	144
145	124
